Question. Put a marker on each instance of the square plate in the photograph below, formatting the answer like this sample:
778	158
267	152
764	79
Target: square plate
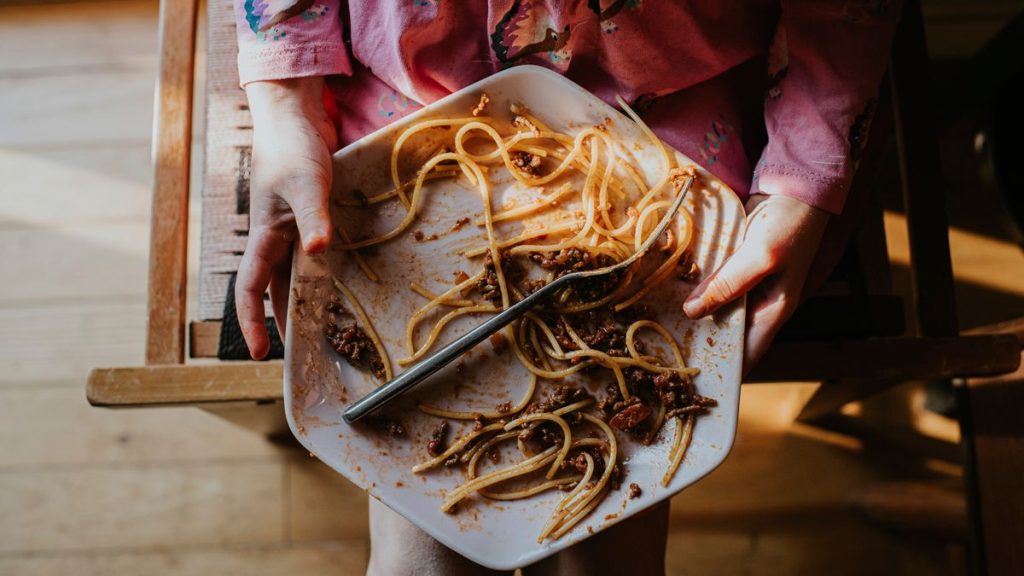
319	385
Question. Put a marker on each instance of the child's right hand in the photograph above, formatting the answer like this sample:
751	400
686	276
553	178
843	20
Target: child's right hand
293	139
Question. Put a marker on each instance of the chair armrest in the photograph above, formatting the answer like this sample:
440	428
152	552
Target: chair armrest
172	145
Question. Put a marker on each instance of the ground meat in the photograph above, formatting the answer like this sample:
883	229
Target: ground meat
561	396
688	270
525	162
460	223
678	176
543	434
481	106
634	491
352	344
630	416
697	403
638	379
562	336
678	395
498	342
390	426
523	123
547	434
569	260
438	439
565	395
607	403
579	462
503	408
335	307
601	331
564	261
488	285
419	236
461	277
531	286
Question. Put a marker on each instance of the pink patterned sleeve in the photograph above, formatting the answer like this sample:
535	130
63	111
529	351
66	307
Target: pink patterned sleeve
825	65
280	39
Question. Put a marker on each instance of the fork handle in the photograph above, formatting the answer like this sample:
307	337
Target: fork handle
448	353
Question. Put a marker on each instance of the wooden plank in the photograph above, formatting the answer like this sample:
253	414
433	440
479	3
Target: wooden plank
76	109
888	358
996	405
60	342
104	183
147	507
923	189
76	434
323	505
168	272
99	261
77	37
186	384
345	557
203	339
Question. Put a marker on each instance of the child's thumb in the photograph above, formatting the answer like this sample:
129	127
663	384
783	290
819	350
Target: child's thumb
741	272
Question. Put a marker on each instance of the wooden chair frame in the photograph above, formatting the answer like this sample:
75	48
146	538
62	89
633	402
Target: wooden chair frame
851	369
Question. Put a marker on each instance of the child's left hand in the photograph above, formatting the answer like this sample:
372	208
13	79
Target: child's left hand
770	266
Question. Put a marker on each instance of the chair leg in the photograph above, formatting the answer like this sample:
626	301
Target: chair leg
994	441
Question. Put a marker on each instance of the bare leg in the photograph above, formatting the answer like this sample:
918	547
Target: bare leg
398	548
635	547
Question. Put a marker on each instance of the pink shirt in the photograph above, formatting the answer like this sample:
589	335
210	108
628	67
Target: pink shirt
790	83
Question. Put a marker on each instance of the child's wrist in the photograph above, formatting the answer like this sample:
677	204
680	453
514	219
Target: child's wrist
291	95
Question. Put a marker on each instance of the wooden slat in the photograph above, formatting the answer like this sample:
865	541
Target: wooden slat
204	339
888	358
996	405
165	337
191	384
921	175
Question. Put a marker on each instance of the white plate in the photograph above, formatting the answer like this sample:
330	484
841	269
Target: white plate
318	385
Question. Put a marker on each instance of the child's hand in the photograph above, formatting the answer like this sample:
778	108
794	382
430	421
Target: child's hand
293	139
782	239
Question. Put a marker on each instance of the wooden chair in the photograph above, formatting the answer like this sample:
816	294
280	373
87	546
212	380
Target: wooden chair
855	354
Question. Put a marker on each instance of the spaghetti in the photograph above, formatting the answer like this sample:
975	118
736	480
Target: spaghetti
593	207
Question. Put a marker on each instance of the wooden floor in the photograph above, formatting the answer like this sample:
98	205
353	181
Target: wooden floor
177	491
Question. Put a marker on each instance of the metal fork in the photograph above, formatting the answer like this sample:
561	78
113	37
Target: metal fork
431	364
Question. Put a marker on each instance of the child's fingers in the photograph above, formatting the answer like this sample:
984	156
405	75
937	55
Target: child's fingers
741	272
767	311
262	253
